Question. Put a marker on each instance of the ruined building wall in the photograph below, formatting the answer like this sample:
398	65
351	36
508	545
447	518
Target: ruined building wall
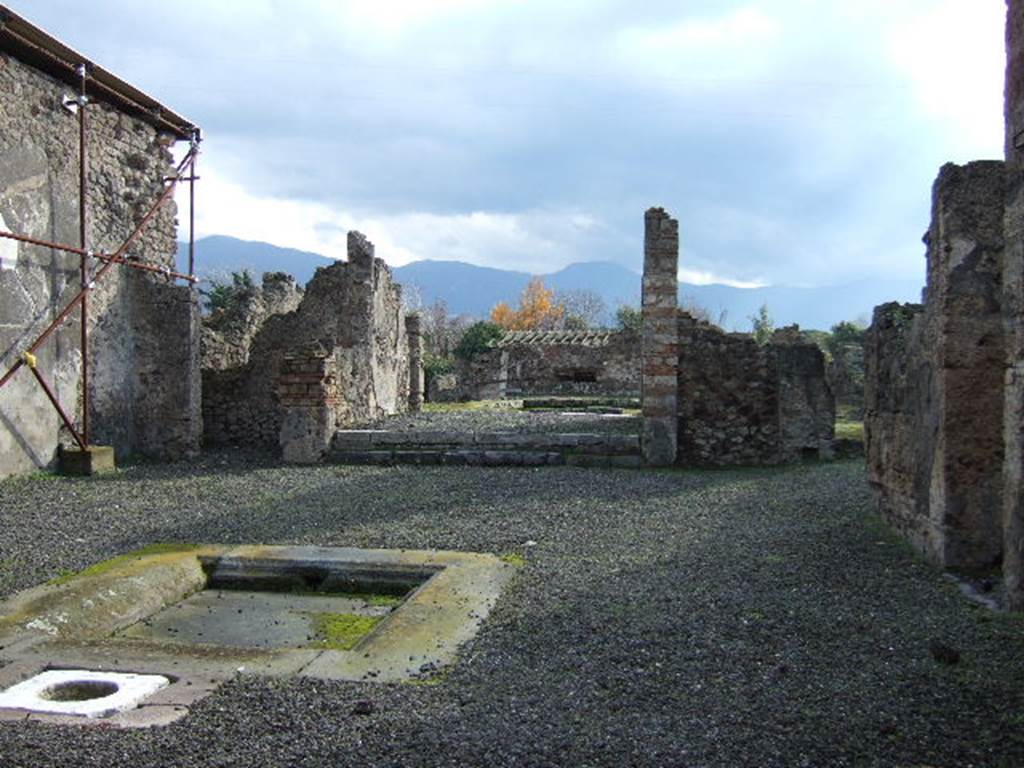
530	363
934	399
353	311
899	428
1013	313
611	367
139	325
741	403
228	333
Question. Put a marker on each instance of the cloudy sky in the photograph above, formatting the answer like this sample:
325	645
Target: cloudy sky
795	140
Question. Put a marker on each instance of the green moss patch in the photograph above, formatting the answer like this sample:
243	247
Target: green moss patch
513	558
342	631
850	430
98	569
372	598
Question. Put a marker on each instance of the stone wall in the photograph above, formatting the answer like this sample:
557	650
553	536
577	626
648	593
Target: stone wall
539	363
228	332
845	373
143	395
571	363
1013	312
934	400
353	310
741	403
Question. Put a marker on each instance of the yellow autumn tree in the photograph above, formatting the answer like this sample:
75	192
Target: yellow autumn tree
503	315
537	310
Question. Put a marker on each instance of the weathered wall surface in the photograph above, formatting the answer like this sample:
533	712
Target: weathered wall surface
228	333
741	403
1013	312
845	373
353	310
934	412
531	363
39	197
572	363
899	421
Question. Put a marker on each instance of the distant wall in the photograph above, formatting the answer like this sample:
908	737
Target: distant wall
143	392
532	363
568	363
741	403
353	312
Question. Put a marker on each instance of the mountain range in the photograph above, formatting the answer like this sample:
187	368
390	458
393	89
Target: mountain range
473	290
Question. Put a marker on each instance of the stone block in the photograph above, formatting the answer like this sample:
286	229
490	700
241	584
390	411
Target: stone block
94	460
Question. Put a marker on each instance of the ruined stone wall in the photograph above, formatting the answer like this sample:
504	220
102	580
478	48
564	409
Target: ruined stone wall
531	363
228	333
741	403
899	423
845	373
39	197
353	310
611	368
1013	312
934	406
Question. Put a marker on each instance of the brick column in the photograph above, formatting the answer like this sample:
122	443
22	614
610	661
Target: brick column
415	337
1013	313
308	392
660	348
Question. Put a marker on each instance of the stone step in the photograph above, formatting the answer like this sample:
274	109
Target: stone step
371	440
485	458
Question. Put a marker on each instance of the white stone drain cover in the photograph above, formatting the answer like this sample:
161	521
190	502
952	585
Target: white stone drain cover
81	692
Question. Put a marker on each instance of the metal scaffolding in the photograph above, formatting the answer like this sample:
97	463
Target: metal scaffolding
56	58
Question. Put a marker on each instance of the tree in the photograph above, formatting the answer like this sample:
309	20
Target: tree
441	330
762	325
225	296
843	333
478	338
503	315
537	310
629	318
583	309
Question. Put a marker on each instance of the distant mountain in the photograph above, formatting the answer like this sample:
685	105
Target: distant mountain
217	256
473	290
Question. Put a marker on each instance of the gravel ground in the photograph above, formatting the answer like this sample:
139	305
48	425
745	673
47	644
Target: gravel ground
501	416
726	618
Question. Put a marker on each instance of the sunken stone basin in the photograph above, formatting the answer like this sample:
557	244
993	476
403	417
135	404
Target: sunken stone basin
200	615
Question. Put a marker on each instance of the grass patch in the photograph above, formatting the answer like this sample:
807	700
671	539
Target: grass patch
342	631
371	598
850	430
97	569
470	405
513	558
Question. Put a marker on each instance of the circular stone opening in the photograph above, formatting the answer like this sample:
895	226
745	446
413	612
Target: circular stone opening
79	690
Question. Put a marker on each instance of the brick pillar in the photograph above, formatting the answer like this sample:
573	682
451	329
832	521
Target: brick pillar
1013	313
308	392
659	383
415	337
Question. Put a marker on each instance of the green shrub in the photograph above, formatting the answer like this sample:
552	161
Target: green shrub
477	338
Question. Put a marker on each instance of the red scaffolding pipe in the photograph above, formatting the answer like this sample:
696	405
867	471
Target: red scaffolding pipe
110	260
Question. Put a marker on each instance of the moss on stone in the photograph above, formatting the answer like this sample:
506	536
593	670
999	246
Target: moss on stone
98	569
342	631
513	558
372	598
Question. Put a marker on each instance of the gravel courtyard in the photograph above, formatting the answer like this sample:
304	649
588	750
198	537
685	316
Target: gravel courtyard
661	618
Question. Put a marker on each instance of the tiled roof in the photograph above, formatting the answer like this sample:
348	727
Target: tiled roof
598	338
